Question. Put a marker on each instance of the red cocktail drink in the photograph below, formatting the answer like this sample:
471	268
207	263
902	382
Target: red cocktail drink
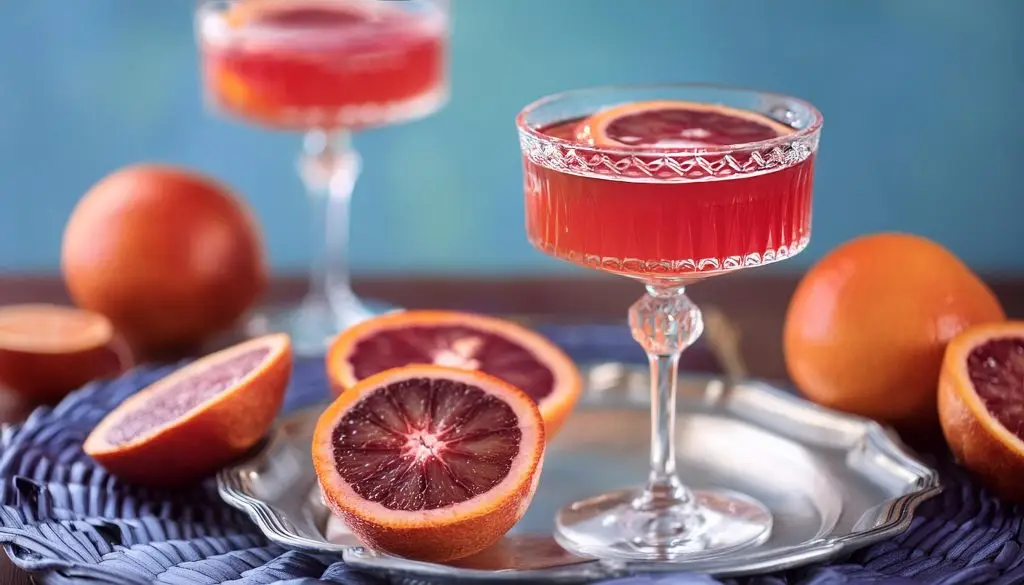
667	185
303	64
652	216
327	69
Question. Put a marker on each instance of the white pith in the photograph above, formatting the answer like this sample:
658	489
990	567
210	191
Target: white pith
460	354
423	446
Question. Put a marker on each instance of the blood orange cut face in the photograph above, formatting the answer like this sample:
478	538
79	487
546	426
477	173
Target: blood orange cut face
47	351
446	434
996	370
458	346
981	404
429	462
191	422
171	401
670	124
51	328
460	340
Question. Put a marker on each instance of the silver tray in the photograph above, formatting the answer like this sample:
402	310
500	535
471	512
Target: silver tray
834	482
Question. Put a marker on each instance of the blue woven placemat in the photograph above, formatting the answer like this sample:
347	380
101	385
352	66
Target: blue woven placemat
65	519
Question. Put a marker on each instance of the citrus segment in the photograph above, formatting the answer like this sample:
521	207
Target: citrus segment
498	347
193	421
429	462
981	405
677	124
48	350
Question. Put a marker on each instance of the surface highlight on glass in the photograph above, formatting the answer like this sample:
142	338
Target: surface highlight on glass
327	69
667	185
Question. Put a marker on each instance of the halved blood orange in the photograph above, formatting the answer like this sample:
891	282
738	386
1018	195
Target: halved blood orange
504	349
47	351
981	405
677	124
191	422
429	462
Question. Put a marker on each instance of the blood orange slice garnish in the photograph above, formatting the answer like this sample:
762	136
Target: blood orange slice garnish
191	422
495	346
981	404
677	124
309	14
48	350
429	462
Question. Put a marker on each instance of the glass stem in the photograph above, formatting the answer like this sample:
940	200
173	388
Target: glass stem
664	322
664	370
329	167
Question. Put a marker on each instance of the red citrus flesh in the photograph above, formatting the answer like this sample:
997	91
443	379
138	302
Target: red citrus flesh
47	351
191	422
671	124
981	405
180	396
429	462
495	346
996	369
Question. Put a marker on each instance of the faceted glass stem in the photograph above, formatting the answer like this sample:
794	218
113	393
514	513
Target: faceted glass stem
663	520
664	322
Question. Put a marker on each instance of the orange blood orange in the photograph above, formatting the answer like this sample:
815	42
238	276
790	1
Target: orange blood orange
47	351
981	405
191	422
498	347
169	255
429	462
868	324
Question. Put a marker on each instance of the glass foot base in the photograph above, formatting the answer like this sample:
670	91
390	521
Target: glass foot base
619	526
314	323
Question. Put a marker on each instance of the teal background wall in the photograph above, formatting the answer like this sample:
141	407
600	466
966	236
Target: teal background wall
922	99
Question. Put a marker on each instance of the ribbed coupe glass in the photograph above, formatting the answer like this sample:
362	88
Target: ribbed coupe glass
668	214
325	69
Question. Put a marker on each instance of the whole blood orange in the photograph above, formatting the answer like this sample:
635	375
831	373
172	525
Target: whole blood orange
191	422
981	405
47	351
867	326
429	462
168	255
498	347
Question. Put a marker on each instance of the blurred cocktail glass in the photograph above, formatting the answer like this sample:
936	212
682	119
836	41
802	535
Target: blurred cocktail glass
326	69
667	185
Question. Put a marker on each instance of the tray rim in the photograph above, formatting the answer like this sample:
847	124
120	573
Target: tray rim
894	515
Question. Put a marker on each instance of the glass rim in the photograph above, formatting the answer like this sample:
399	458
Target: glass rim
210	9
817	120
